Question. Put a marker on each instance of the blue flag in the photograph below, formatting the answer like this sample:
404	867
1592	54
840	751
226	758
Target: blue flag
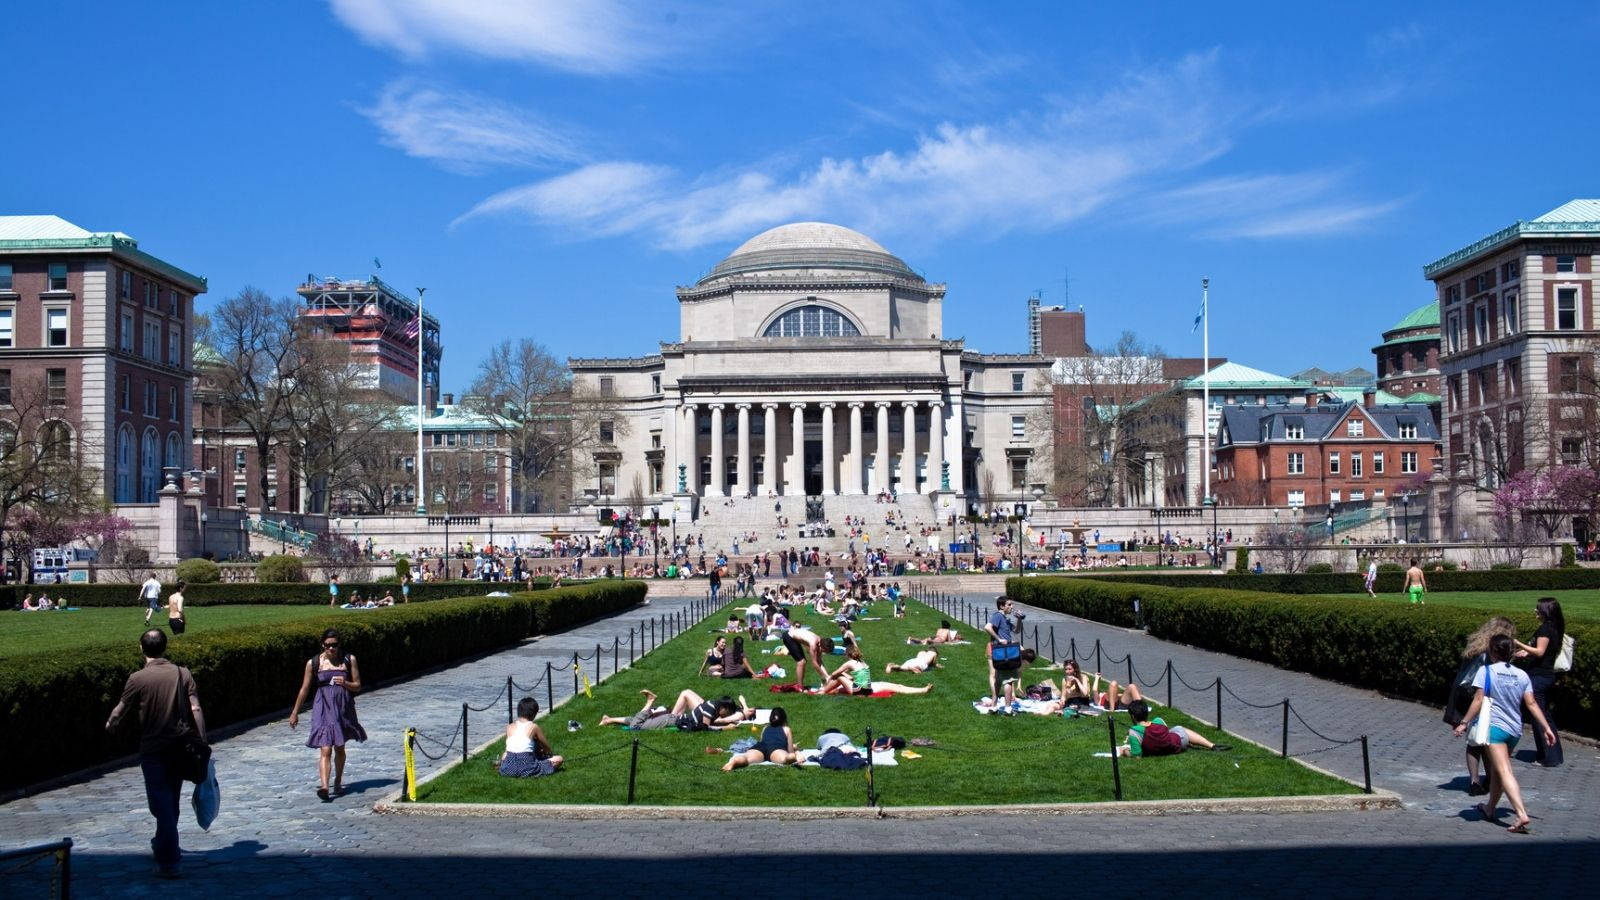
1199	317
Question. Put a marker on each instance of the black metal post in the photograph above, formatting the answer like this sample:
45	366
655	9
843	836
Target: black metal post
511	715
652	634
872	791
1130	673
1169	684
1285	727
1097	655
1219	703
1366	765
633	770
599	672
464	740
549	687
1052	643
630	647
574	675
1116	770
616	653
1072	647
1035	639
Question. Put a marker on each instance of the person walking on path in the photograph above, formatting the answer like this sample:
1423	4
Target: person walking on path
175	619
1510	690
150	593
1463	689
1416	582
168	706
1372	576
1541	656
333	711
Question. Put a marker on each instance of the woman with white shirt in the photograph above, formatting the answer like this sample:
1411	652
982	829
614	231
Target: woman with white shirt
527	753
1511	691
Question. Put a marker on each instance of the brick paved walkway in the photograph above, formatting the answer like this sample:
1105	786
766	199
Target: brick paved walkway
274	838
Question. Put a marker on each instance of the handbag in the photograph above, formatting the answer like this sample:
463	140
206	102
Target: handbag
1563	661
1478	735
188	754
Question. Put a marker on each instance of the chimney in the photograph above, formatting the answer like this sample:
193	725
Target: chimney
448	400
1369	399
1311	399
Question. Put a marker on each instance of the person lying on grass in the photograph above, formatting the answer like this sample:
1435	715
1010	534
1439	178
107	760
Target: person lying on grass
712	663
803	645
854	676
922	662
1152	737
689	713
776	745
943	635
527	753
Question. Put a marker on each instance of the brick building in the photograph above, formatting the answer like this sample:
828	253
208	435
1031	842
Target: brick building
1408	358
1516	362
1322	453
103	329
377	322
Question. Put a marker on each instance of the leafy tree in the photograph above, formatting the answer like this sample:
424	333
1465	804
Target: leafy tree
46	479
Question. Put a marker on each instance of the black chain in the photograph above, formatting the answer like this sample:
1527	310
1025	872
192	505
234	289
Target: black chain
491	704
1248	703
567	760
438	743
682	762
530	688
1185	683
1148	684
1336	742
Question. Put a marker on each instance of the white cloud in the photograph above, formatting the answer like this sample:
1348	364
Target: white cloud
463	131
586	36
1122	151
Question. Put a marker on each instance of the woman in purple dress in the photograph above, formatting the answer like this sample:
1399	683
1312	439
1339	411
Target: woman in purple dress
333	712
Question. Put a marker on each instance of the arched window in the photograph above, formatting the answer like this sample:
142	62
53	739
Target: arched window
174	453
812	321
8	439
149	467
124	488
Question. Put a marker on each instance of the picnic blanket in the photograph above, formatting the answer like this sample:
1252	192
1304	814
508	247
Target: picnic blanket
1036	707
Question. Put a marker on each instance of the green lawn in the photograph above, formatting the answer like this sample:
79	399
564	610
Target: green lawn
1574	604
979	760
34	632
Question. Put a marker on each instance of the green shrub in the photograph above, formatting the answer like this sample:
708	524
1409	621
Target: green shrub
281	569
199	571
1569	557
1445	565
402	568
259	594
1505	565
1390	567
1390	579
1393	647
1319	569
1241	560
61	703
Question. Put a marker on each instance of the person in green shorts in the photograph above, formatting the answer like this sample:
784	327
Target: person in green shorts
855	677
1416	582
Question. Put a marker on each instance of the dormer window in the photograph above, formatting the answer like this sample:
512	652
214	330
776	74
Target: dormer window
1294	432
1355	428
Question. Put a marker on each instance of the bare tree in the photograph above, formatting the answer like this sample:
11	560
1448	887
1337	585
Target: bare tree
551	425
45	468
263	368
1286	548
340	422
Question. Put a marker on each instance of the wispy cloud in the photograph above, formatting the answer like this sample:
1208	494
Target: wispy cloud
585	36
465	132
1274	205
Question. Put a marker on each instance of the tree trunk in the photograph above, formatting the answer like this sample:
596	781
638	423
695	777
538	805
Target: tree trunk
263	446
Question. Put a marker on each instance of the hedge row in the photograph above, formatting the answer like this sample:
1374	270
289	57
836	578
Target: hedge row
1411	651
253	592
1388	581
55	705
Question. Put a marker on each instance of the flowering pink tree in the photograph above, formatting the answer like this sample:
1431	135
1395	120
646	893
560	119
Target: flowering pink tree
1545	499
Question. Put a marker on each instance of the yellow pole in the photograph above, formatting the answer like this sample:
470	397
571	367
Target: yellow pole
411	766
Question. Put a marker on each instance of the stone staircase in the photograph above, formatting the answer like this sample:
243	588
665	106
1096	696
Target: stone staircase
723	519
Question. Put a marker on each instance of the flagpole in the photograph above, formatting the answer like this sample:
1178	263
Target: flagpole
422	505
1205	381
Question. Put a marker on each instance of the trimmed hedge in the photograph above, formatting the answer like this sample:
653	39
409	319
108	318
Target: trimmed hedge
1390	581
280	568
1401	649
198	571
257	593
55	707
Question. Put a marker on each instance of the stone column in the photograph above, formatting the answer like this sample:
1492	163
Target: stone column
880	465
796	484
769	467
691	448
852	484
830	463
719	464
741	484
958	421
935	444
671	443
908	456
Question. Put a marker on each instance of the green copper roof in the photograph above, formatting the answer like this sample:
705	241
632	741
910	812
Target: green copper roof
44	234
1575	218
1410	339
1423	316
1422	397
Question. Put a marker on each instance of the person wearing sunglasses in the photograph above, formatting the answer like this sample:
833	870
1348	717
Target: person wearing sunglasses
333	710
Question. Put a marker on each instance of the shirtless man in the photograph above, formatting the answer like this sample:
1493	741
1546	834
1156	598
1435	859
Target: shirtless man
922	662
804	645
1416	582
944	635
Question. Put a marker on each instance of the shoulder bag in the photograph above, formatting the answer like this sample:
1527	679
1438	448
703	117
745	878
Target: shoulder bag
1478	735
1563	661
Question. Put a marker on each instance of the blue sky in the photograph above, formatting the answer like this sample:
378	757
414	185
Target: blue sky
555	169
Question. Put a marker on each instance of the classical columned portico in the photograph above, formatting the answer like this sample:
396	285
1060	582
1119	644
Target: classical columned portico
795	485
719	463
741	484
852	484
769	467
908	457
830	462
880	462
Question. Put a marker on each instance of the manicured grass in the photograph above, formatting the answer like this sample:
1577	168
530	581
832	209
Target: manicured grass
1574	604
979	760
34	632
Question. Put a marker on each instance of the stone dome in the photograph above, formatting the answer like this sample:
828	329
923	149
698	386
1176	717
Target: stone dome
810	245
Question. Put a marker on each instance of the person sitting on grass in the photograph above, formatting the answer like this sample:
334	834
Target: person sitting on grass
734	663
1152	737
803	645
735	627
712	663
922	662
854	676
689	713
943	635
1113	700
776	745
527	753
1075	690
28	605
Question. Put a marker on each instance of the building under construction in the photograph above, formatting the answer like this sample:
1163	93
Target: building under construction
380	325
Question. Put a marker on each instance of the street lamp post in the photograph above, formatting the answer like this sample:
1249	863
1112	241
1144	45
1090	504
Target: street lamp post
1331	508
1405	517
655	537
202	528
1160	543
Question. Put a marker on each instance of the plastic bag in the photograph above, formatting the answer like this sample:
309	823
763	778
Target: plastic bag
207	798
